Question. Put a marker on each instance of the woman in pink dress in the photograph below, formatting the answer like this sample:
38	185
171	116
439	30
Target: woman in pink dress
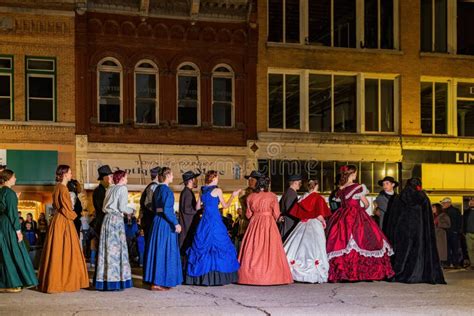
262	258
357	248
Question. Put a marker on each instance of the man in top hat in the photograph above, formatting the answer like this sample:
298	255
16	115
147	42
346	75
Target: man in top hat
146	213
287	222
385	197
98	196
188	211
242	222
453	233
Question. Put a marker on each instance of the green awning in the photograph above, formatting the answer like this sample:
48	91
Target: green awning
36	167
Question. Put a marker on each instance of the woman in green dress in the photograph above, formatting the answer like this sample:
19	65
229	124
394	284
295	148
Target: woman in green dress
16	269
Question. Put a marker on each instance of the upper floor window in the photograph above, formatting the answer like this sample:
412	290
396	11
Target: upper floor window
334	23
109	91
146	93
223	96
434	107
188	94
379	105
6	87
465	109
465	25
284	101
434	25
41	89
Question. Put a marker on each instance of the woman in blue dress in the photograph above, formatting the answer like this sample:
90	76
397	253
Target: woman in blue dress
212	259
163	261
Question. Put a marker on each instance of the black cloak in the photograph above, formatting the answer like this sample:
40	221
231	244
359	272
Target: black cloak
409	226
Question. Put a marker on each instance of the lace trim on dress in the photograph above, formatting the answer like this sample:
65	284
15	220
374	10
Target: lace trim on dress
357	196
352	245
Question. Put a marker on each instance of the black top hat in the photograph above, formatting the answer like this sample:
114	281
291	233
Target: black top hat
104	171
154	172
391	179
188	175
295	177
3	166
254	174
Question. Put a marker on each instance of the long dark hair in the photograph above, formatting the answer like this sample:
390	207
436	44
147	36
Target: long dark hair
345	172
61	170
439	209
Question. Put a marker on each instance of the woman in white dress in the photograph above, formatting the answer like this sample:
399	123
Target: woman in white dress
113	267
306	246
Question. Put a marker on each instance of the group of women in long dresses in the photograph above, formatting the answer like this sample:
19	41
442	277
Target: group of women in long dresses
348	247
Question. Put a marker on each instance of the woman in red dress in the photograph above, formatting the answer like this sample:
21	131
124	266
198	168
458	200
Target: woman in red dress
357	248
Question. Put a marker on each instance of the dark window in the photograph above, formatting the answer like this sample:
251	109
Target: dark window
372	105
188	100
109	97
41	85
6	87
441	108
426	107
292	21
386	24
145	90
387	105
365	175
465	27
328	176
222	101
345	104
275	100
319	19
292	106
378	24
344	23
465	118
320	103
275	20
437	108
434	40
379	105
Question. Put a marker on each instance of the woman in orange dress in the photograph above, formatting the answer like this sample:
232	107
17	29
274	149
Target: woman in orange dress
262	258
63	268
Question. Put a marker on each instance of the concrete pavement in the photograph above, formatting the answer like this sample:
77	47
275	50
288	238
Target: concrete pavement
373	298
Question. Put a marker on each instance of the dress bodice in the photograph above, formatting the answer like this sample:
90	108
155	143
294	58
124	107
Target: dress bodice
350	195
210	203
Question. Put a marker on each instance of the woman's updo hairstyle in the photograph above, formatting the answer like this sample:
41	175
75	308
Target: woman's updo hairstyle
210	176
5	175
345	172
164	172
312	184
118	175
263	184
61	170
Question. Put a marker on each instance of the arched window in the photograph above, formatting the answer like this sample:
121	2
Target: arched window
188	94
146	92
109	91
223	96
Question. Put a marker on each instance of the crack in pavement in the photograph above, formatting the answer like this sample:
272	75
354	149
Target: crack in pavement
249	306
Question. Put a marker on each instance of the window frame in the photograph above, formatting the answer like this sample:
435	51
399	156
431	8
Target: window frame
451	29
145	71
456	81
35	73
230	75
285	72
10	73
359	31
396	102
116	69
189	73
450	124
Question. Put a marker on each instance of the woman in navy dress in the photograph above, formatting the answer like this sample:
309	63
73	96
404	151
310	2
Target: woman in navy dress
212	259
163	262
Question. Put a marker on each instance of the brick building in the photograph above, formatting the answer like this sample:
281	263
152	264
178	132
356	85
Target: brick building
169	83
387	85
37	129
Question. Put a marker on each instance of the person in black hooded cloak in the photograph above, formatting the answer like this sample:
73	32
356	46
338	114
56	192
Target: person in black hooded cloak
409	226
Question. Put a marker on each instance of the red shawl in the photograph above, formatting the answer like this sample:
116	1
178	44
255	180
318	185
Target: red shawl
310	207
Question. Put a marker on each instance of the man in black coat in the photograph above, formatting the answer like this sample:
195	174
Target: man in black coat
453	233
146	213
287	222
188	211
98	196
385	197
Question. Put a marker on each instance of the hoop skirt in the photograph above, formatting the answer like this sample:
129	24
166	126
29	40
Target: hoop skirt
357	249
306	246
212	259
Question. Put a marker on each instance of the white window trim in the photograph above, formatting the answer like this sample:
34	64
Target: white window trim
396	102
450	118
360	23
189	73
285	72
117	69
9	74
230	75
53	98
40	59
146	71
